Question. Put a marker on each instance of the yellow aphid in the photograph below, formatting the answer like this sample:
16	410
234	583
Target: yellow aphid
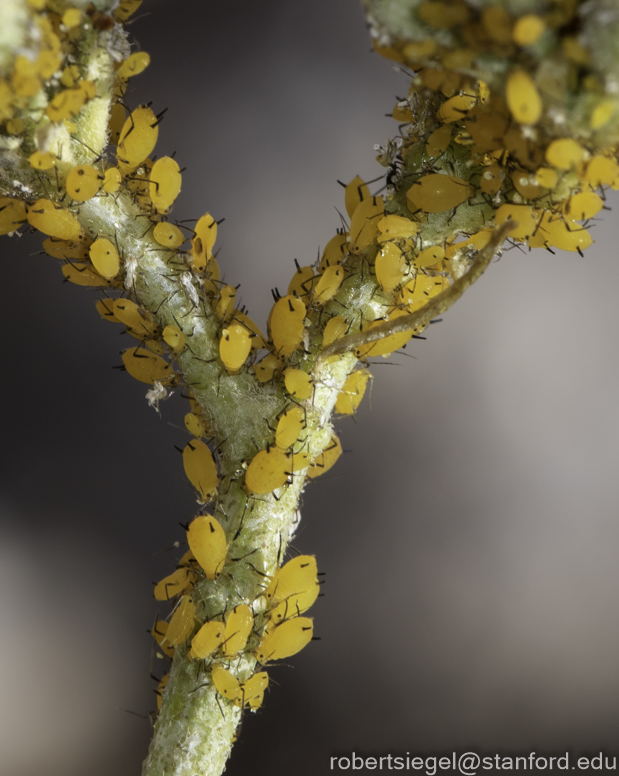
172	585
302	282
135	64
418	50
226	683
207	640
564	153
66	104
165	183
174	337
12	214
498	23
234	347
435	193
116	122
138	136
565	235
296	576
201	470
88	89
478	241
45	216
267	471
83	182
442	15
325	460
68	249
43	160
574	50
420	290
526	184
168	235
159	631
354	193
83	275
194	425
396	228
48	63
352	392
363	224
258	340
289	428
582	206
602	171
14	126
298	383
334	252
526	217
602	114
125	9
112	180
455	108
547	177
104	257
429	256
146	366
238	627
225	304
299	461
523	99
287	639
207	541
336	328
328	285
252	690
152	344
267	368
528	29
70	75
286	324
105	308
25	78
387	345
182	622
206	234
390	266
438	141
294	605
71	17
402	113
134	318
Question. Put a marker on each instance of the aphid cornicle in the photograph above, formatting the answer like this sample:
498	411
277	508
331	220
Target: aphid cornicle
207	541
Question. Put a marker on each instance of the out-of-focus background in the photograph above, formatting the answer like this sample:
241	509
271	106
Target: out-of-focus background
469	536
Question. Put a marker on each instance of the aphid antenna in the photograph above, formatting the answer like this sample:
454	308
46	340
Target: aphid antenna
135	713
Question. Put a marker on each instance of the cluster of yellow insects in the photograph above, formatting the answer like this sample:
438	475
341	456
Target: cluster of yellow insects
468	157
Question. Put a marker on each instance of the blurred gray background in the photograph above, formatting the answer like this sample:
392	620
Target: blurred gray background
470	536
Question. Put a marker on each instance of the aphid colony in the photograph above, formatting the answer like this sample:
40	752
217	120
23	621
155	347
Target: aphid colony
270	628
515	149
